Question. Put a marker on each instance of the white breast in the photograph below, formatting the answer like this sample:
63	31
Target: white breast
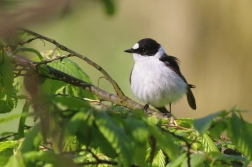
154	83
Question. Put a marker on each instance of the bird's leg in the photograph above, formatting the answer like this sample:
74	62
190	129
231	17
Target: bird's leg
164	111
168	114
172	119
146	107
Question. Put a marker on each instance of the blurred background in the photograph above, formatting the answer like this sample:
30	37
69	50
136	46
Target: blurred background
212	39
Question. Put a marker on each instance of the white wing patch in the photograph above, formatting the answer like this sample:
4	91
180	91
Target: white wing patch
136	46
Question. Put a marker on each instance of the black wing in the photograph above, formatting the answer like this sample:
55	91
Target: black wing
173	63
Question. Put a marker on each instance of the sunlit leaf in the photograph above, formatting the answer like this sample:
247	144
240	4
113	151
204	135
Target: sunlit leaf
159	159
7	144
208	144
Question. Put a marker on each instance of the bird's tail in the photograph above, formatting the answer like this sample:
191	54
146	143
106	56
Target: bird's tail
190	97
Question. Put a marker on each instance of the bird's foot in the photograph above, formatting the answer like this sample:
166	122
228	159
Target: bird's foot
172	121
146	107
167	115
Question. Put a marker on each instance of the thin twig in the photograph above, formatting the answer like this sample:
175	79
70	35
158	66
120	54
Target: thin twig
98	162
93	154
28	41
99	102
2	138
176	126
64	48
51	60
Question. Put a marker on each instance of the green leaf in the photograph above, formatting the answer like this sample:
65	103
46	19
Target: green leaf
109	6
11	117
98	140
140	151
82	126
71	68
43	70
228	159
159	159
30	50
15	160
203	124
69	103
165	140
178	161
208	144
116	136
32	140
3	160
8	98
50	158
18	82
217	129
185	122
7	144
196	160
240	135
138	130
21	125
79	122
6	151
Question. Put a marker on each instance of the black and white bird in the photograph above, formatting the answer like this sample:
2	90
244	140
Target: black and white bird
156	78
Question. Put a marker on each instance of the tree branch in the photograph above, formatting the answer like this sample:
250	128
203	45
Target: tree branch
101	94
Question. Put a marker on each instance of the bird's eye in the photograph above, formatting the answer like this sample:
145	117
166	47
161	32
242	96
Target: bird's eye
142	50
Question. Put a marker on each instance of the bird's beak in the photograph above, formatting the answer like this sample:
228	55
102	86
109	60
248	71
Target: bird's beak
129	50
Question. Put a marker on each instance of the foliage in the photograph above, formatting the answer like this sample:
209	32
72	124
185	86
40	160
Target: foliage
71	131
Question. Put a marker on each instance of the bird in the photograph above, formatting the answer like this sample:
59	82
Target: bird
156	78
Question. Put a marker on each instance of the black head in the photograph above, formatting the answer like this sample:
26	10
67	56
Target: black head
145	47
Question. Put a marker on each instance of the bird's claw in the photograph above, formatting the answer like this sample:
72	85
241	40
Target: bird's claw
172	121
146	107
